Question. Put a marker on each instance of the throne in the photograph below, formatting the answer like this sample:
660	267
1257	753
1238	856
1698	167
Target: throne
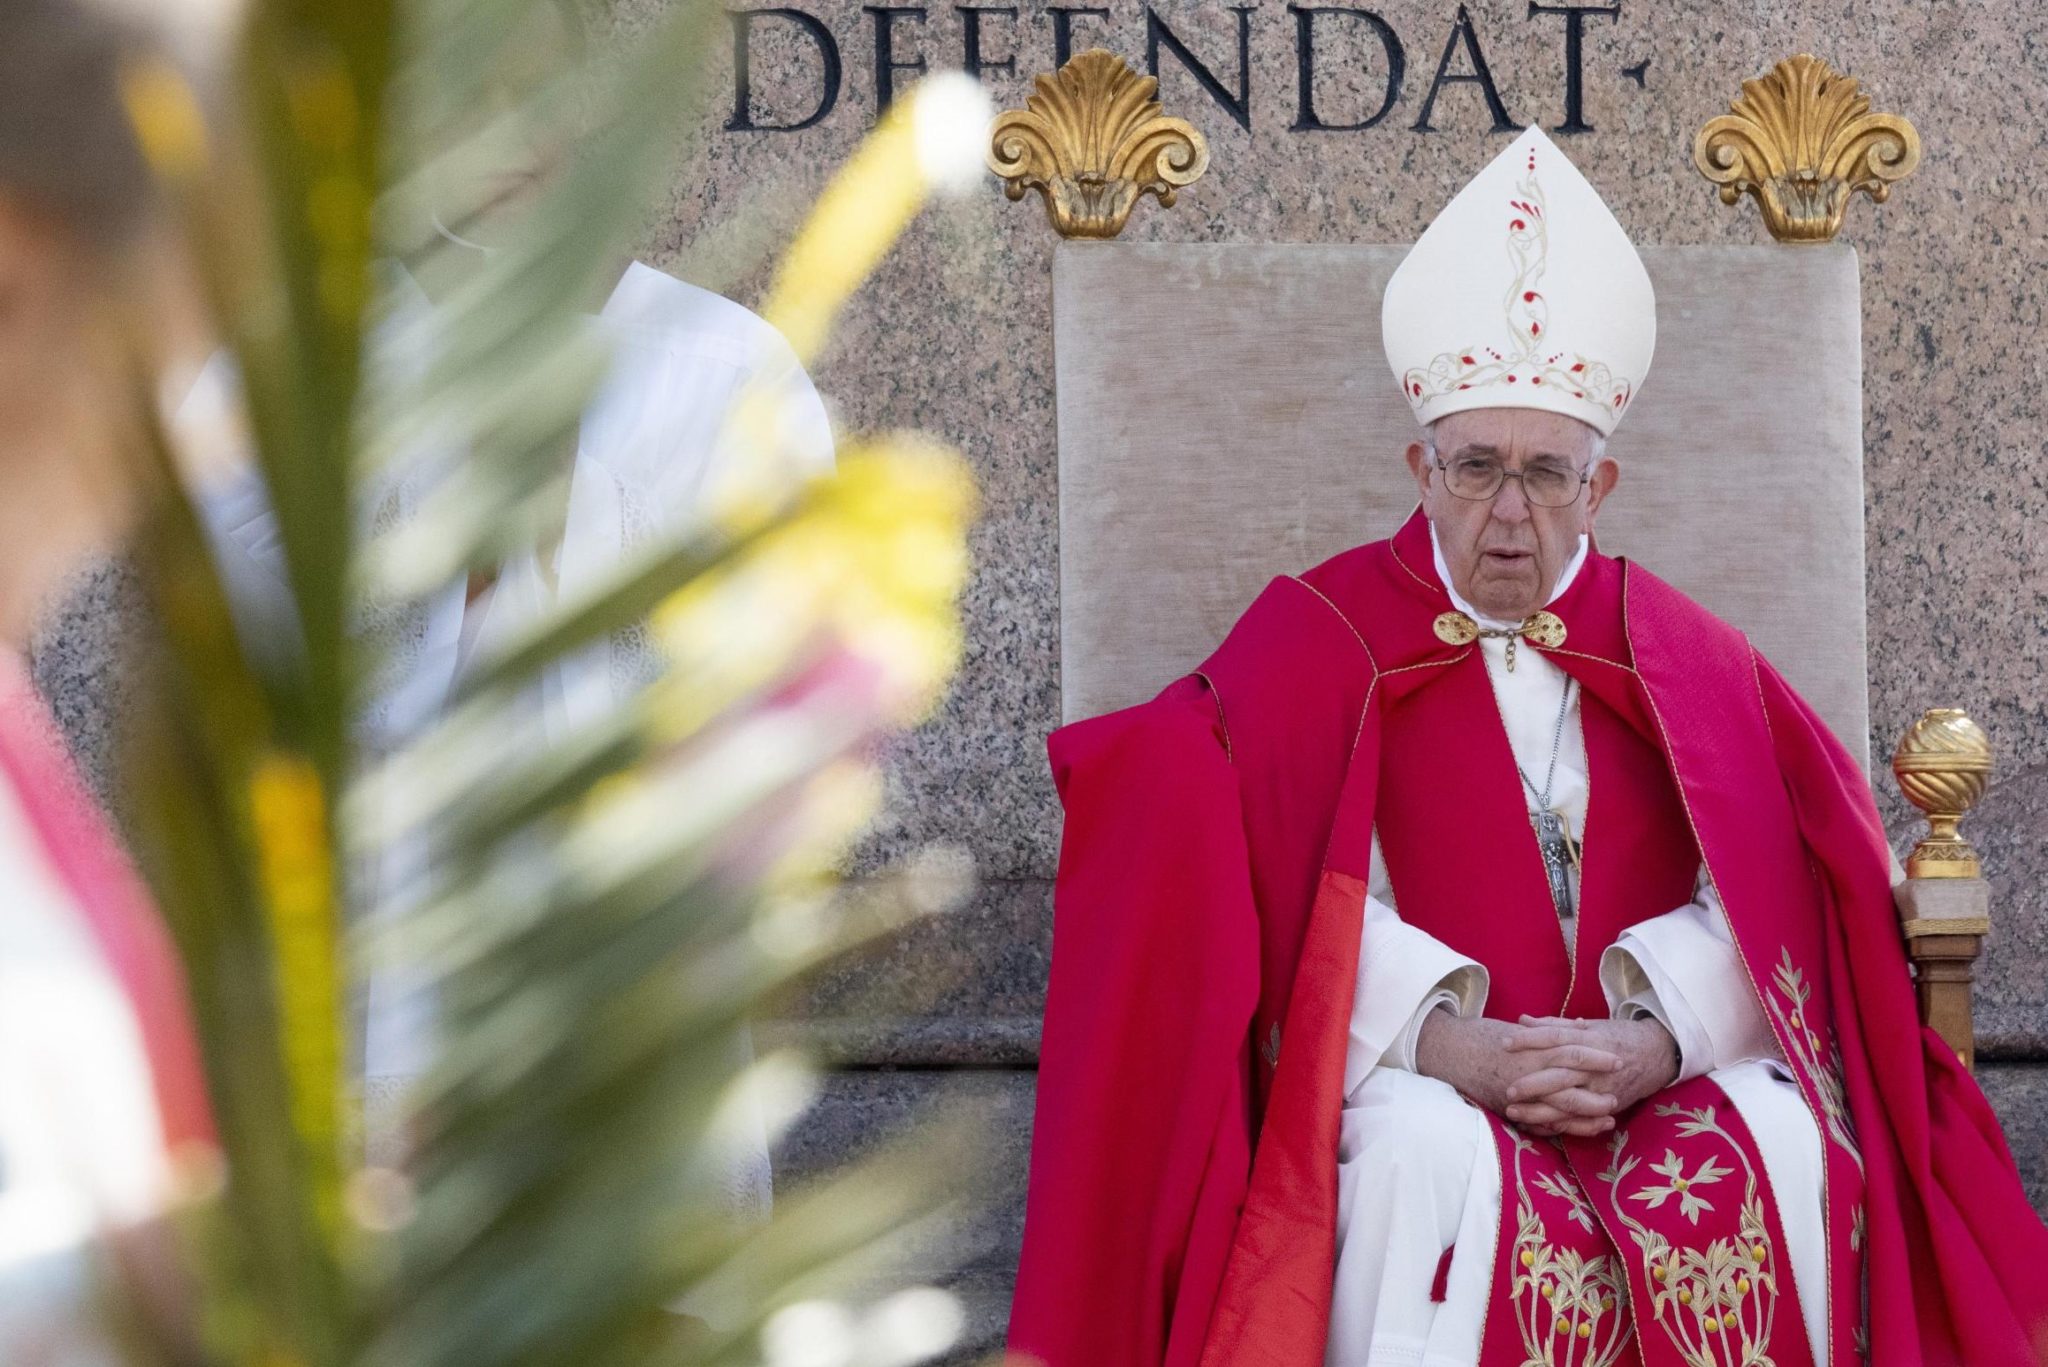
1225	415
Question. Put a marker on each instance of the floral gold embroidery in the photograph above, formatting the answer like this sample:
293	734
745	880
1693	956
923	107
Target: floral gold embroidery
1686	1189
1718	1303
1571	1310
1791	1003
1567	1191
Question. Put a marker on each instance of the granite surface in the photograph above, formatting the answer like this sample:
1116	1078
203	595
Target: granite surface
977	1258
2020	1092
82	658
963	988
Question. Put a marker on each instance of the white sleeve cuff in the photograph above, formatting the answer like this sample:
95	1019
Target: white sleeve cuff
1682	970
1463	991
1403	975
1631	997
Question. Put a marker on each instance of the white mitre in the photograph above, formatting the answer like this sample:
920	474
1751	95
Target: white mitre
1524	293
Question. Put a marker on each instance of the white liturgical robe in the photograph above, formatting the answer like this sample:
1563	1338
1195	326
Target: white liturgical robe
1417	1171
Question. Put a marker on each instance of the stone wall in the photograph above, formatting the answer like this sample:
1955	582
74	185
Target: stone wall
953	336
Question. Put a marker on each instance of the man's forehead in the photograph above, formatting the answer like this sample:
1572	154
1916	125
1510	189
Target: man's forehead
1500	431
1485	449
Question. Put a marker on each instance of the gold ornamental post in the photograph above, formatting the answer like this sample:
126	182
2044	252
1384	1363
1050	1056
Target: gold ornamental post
1942	764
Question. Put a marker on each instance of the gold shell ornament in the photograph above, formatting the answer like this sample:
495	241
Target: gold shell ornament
1800	140
1092	139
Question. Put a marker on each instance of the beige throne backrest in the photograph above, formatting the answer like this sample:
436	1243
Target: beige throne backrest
1226	415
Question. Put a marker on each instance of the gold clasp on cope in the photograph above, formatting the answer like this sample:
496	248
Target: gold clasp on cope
1543	627
1456	629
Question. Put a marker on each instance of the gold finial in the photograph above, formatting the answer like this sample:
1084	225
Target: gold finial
1801	140
1092	140
1942	764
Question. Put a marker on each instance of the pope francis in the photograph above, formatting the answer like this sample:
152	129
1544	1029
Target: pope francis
1486	957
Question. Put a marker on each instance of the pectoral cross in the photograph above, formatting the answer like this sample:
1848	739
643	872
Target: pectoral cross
1560	855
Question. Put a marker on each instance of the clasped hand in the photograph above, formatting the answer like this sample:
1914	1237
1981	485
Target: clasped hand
1549	1074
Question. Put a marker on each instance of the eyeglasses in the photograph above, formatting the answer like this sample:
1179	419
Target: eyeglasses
1546	483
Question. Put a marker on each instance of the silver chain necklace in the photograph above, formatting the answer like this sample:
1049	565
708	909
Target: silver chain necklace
1553	836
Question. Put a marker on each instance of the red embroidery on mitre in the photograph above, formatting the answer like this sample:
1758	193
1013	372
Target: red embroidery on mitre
1529	250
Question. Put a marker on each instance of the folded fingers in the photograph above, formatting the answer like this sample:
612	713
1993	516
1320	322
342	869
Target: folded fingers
1544	1081
1572	1040
1547	1119
1576	1101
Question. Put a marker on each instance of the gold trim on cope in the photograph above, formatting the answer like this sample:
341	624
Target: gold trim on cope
1800	140
1942	765
1092	139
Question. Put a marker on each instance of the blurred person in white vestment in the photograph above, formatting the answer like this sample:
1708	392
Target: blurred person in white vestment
653	443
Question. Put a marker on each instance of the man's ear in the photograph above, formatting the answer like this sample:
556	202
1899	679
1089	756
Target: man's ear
1417	452
1606	474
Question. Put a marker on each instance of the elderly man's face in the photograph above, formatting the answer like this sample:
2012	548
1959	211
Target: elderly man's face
1505	553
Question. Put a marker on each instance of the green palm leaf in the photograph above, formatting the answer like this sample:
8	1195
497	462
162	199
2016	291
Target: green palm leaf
604	914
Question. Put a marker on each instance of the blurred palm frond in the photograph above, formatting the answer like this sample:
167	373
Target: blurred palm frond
602	914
